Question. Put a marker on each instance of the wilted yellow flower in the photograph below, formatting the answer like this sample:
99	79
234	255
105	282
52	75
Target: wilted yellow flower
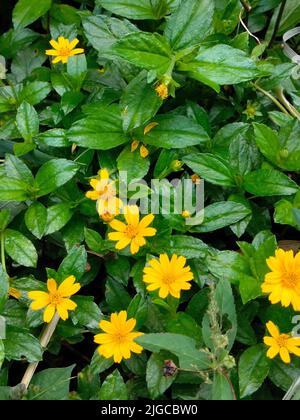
14	293
169	276
117	341
109	209
282	344
283	282
162	91
63	49
195	179
132	232
144	152
150	127
103	188
57	299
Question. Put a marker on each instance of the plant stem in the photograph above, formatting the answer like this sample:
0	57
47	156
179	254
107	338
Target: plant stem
3	253
273	99
246	6
44	341
292	390
287	104
277	23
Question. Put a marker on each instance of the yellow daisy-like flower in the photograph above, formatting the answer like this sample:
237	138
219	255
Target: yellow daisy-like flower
132	232
283	282
162	91
117	341
144	152
186	214
14	293
170	276
103	188
63	49
282	344
57	298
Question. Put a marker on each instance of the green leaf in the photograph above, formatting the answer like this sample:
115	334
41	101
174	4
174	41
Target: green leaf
139	102
26	12
36	219
188	246
212	168
190	24
4	286
102	131
2	354
94	240
184	324
221	65
147	50
54	174
34	92
117	297
176	131
221	214
27	121
113	388
99	363
20	343
182	346
133	164
283	375
104	31
77	69
57	217
51	384
4	219
131	9
157	383
16	168
87	312
229	265
268	142
221	388
74	263
13	189
254	367
20	248
55	137
269	182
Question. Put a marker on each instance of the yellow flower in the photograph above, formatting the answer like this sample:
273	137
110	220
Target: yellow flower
150	127
14	293
63	49
169	276
117	341
103	188
144	152
162	91
109	209
186	214
196	179
283	282
57	299
134	232
282	344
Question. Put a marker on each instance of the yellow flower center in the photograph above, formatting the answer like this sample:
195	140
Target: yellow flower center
132	231
282	340
64	52
119	337
55	298
168	279
291	279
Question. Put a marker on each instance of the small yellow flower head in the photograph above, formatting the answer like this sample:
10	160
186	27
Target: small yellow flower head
57	299
103	188
176	165
144	152
63	49
196	179
186	214
170	276
162	91
133	232
252	110
117	341
109	209
150	127
282	344
283	282
14	293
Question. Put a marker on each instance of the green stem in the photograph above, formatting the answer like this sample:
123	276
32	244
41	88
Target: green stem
277	23
273	99
287	104
44	341
3	253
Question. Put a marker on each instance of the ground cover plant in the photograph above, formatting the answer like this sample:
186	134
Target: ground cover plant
114	283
